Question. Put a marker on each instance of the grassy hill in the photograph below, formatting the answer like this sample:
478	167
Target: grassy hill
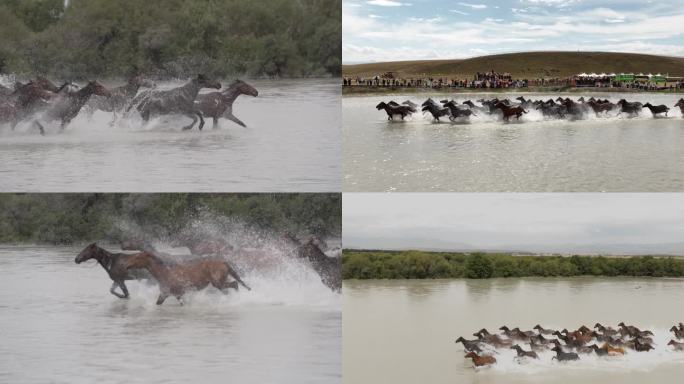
526	65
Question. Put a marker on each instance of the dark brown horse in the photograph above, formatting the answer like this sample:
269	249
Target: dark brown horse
680	104
195	274
657	109
328	268
67	106
179	101
509	111
393	109
113	264
523	353
220	104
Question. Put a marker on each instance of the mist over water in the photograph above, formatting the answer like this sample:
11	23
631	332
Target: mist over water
291	143
413	324
534	154
59	318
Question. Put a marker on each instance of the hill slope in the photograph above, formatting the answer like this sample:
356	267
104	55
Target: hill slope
527	64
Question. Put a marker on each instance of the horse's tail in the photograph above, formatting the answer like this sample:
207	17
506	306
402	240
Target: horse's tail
237	278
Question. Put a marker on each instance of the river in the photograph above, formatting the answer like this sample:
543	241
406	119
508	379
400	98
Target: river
291	143
59	324
612	154
403	331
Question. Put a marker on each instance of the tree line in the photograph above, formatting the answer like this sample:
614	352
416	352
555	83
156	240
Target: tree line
171	38
74	218
366	264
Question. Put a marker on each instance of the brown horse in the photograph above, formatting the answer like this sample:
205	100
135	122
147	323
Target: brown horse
195	274
509	111
67	107
218	104
113	264
523	353
480	360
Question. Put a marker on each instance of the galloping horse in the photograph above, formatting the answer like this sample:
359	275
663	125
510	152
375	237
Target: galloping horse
680	104
179	100
436	111
68	105
394	109
629	108
217	104
113	264
509	111
119	98
177	279
657	109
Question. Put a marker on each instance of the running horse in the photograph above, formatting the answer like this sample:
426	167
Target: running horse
179	100
509	111
218	104
68	105
113	264
680	104
177	279
120	97
327	267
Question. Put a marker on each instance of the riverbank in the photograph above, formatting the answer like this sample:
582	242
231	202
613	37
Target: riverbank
376	90
477	265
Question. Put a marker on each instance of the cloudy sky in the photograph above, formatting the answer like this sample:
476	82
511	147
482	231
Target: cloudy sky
566	223
391	30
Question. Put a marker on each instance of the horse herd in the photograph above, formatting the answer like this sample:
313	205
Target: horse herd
568	345
207	265
560	108
41	101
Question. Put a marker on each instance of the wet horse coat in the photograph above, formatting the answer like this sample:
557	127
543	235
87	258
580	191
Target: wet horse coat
218	104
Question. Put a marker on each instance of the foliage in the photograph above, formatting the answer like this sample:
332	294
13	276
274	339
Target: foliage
360	264
171	38
70	218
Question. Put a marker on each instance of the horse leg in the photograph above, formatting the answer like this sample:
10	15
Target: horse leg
111	123
122	284
65	122
194	120
201	124
235	120
162	297
112	290
40	127
215	125
180	299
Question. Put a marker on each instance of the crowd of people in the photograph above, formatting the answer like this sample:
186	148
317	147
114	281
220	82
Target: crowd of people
495	80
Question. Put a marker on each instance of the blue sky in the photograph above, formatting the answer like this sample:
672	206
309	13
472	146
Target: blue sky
391	30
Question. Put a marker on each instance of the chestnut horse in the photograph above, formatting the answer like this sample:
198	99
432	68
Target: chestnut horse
195	274
218	104
509	111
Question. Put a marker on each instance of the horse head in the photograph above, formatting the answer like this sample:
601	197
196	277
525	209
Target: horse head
87	253
244	88
205	82
381	105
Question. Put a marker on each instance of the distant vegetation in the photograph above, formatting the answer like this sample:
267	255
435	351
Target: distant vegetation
529	65
171	38
73	218
434	265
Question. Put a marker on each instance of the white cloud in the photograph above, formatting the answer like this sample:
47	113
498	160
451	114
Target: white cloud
473	6
387	3
459	12
376	17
